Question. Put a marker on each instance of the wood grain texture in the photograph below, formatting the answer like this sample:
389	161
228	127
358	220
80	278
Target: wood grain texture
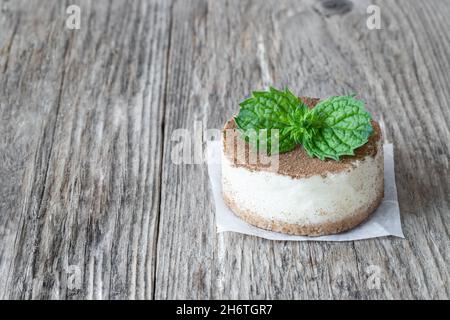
88	188
81	142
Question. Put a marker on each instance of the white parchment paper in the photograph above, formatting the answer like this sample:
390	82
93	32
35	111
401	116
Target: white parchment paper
385	221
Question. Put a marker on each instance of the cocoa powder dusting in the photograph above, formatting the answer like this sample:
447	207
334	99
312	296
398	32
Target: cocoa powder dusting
296	163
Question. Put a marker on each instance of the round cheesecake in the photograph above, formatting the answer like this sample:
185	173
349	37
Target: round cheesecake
302	195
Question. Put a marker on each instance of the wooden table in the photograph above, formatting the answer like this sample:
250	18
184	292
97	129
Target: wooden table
92	206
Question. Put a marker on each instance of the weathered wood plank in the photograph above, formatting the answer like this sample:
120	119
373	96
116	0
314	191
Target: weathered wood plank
222	50
186	244
81	148
88	190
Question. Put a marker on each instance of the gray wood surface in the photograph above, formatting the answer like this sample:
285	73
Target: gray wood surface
91	205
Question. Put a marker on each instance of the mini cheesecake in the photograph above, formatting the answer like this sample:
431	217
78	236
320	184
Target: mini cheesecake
302	195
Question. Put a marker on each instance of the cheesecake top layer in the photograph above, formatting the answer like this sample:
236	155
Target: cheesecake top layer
296	163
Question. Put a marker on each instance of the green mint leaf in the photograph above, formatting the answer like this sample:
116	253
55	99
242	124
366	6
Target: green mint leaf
342	125
271	111
334	128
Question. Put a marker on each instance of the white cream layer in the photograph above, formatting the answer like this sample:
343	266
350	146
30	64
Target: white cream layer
305	201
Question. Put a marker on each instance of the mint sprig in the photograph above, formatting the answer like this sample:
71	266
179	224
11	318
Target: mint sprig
335	127
267	110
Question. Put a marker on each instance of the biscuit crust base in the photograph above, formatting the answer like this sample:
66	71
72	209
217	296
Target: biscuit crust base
321	229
